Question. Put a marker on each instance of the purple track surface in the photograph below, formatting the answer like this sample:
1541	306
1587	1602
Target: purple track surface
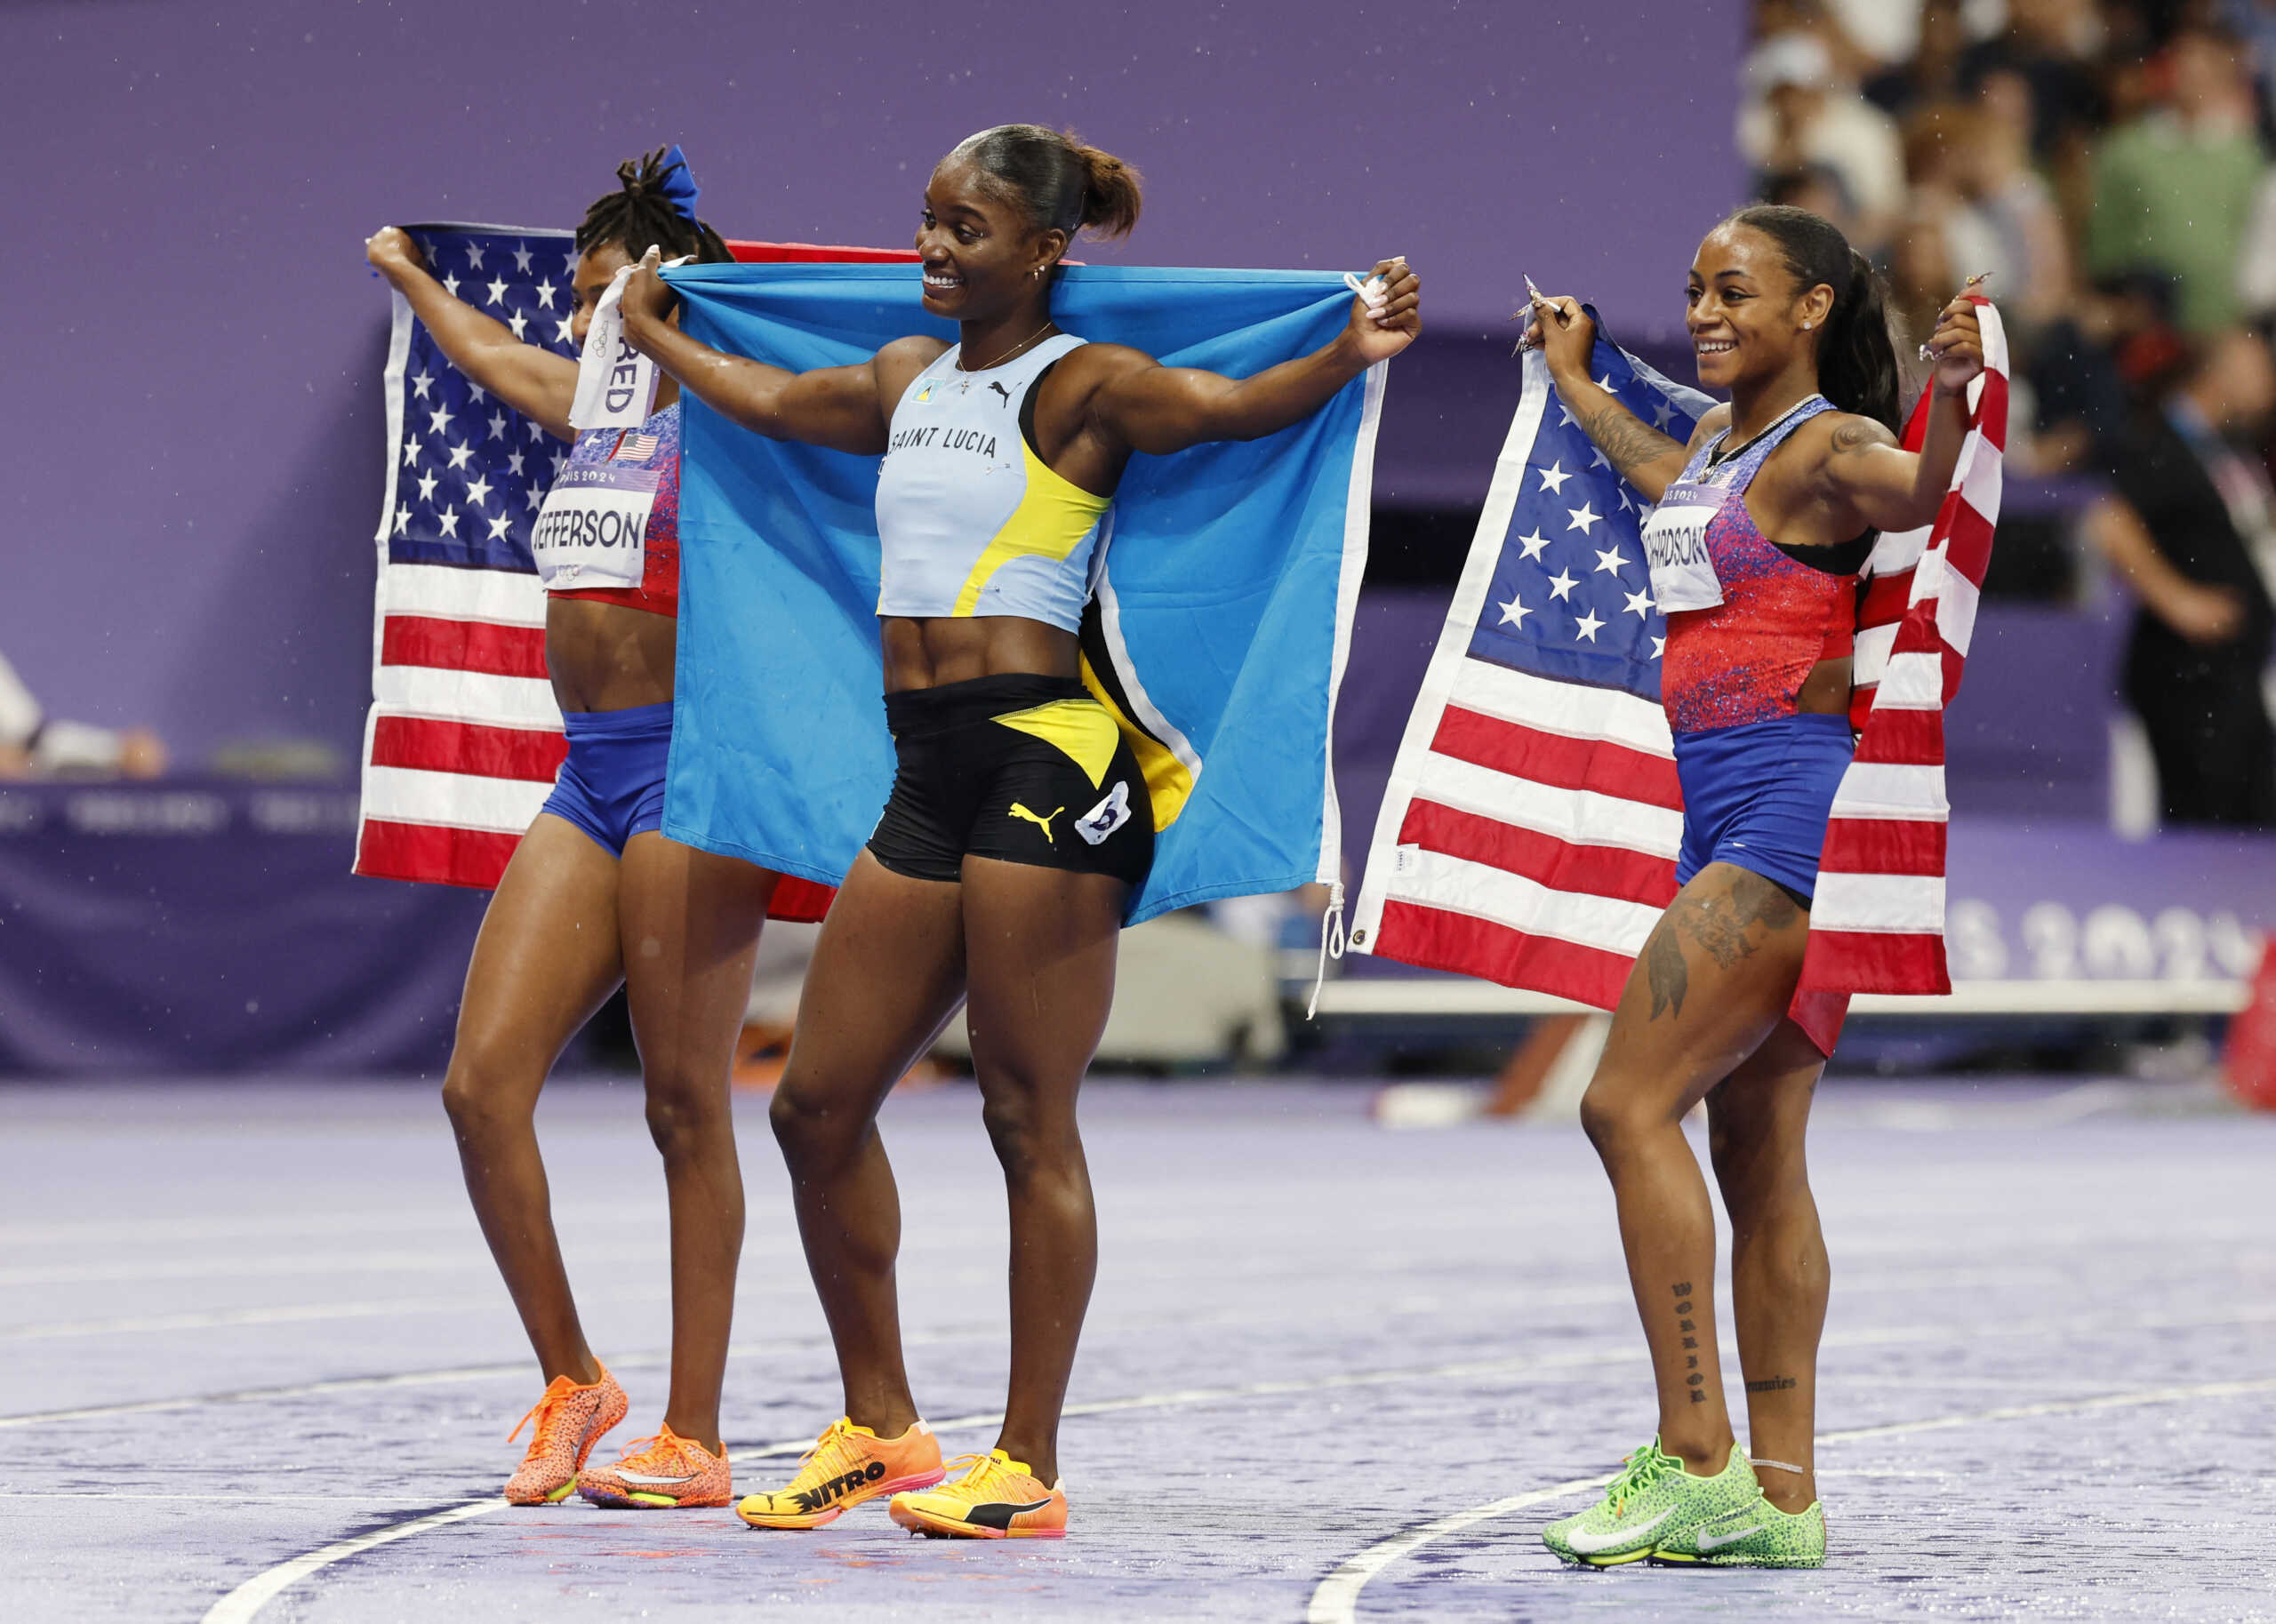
1331	1371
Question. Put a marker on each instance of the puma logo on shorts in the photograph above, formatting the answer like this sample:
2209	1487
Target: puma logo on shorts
1044	824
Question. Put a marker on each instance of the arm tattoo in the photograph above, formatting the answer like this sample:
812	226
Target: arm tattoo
1625	440
1860	434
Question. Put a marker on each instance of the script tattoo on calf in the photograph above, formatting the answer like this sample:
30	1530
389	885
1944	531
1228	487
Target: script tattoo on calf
1695	1383
1770	1384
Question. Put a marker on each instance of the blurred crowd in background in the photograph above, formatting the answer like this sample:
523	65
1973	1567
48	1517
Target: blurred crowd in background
2106	165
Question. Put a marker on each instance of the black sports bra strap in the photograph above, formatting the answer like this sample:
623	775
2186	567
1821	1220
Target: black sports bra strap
1026	407
1843	558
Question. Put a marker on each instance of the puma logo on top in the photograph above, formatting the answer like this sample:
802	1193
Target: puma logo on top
1043	823
1108	816
1000	390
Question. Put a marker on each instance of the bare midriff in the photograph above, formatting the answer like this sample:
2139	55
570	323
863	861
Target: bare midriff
1826	690
930	653
606	656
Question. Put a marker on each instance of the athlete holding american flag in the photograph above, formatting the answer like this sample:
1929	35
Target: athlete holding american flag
595	896
1761	525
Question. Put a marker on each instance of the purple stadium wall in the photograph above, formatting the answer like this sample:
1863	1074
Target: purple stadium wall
192	371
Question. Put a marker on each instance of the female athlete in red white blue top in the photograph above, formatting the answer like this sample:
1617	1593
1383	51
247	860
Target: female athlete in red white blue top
595	896
1760	527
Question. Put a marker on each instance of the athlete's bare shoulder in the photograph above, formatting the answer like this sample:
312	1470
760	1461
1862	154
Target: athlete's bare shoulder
1099	363
897	364
1711	422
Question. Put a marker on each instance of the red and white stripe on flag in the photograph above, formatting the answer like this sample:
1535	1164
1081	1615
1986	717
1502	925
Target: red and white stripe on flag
1529	831
464	741
1877	924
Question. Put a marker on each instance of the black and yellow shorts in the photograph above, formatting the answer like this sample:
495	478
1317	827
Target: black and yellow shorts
1023	769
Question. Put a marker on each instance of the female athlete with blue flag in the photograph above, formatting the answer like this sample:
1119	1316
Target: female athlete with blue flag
1019	822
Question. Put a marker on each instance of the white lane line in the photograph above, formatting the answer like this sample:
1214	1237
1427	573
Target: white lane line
288	1314
1354	1573
250	1597
1592	1353
1336	1600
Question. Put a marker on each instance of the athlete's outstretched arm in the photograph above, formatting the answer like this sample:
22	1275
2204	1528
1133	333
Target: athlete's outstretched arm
535	382
1891	488
845	408
1646	458
1159	409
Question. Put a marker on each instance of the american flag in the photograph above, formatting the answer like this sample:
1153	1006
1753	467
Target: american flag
463	740
1877	921
1529	832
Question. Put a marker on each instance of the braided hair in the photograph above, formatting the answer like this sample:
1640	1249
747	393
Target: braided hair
641	215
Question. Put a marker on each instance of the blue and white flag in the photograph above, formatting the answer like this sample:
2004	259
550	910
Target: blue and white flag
1218	634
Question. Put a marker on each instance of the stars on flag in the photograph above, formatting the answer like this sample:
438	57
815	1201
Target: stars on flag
492	481
1551	609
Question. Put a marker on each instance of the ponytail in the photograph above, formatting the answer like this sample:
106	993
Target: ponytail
1857	359
1110	198
1060	183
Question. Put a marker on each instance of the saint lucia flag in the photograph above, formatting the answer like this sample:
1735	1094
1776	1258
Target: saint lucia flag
1217	635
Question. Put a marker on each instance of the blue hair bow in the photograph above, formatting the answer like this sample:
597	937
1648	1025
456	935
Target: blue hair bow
677	184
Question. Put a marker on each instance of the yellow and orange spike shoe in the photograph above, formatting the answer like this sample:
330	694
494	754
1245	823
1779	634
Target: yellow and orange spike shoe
998	1499
570	1421
660	1472
846	1465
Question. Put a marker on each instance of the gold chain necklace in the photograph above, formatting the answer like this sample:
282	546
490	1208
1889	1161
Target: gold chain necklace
1008	354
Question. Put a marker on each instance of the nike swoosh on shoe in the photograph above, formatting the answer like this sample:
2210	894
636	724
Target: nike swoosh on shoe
645	1477
1709	1543
1592	1543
